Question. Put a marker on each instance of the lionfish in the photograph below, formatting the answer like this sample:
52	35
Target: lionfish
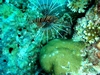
49	25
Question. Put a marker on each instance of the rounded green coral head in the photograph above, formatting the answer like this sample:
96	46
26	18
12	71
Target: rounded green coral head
60	57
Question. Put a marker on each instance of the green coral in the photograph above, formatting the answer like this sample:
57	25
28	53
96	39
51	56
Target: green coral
60	57
78	5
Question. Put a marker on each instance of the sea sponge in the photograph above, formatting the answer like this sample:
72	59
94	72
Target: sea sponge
60	57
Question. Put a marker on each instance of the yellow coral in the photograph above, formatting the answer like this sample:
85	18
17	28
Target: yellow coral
91	32
87	30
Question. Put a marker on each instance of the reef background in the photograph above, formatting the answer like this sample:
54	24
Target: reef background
25	49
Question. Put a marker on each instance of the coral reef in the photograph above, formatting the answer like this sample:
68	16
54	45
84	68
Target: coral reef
88	27
87	30
27	26
61	57
17	47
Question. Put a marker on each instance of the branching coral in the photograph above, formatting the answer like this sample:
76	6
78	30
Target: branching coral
91	32
88	30
77	5
88	27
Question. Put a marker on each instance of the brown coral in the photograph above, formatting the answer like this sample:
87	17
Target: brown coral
92	53
98	45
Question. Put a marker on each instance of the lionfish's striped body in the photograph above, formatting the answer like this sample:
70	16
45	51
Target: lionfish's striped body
48	19
49	25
